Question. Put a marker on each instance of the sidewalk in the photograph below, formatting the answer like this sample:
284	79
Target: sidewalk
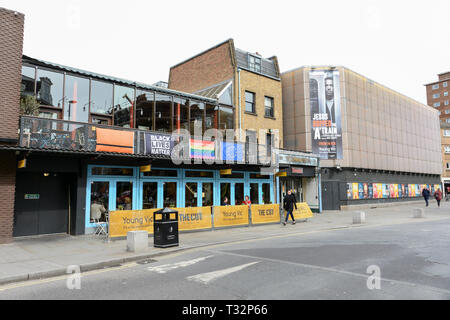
47	256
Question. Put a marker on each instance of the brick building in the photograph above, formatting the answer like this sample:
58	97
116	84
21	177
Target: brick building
445	141
438	96
11	38
250	85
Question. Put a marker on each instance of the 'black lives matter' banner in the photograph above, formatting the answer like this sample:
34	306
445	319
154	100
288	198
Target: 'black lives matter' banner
326	130
158	144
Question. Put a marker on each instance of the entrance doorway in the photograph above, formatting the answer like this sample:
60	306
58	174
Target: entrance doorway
291	184
330	195
44	203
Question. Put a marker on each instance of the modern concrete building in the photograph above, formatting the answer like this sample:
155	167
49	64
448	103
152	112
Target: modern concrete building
438	96
378	146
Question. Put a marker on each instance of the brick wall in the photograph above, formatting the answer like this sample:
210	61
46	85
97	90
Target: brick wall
11	39
206	69
7	191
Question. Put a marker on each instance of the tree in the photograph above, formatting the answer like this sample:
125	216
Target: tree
29	106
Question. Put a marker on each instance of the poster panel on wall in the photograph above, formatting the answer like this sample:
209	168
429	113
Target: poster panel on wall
396	194
370	187
325	103
401	189
418	190
385	191
361	190
355	189
349	191
375	191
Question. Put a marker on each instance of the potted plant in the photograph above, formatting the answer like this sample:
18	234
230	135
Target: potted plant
29	106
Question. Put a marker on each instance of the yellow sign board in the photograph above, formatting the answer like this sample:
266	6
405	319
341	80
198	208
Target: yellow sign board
22	163
281	174
146	168
194	218
225	171
122	221
225	216
265	213
303	211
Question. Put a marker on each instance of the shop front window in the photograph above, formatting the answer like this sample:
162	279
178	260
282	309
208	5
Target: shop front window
123	106
99	201
124	195
238	193
254	194
207	194
76	103
149	195
101	97
266	193
170	195
50	88
163	113
144	110
190	192
225	194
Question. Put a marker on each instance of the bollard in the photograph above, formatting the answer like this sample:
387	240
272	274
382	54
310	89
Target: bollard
359	217
137	241
418	213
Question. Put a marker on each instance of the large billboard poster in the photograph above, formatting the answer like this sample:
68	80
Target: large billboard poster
326	130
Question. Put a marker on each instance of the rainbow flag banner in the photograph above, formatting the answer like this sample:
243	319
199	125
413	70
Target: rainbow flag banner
201	149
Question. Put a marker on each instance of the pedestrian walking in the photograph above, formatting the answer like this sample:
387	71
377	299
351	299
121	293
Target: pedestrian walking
289	202
438	196
426	195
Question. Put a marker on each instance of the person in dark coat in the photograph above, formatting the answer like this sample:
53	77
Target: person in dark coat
426	195
289	202
438	196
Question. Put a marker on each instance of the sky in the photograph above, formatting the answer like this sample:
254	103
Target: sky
400	44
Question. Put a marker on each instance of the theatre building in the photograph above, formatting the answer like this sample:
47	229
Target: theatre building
375	144
72	139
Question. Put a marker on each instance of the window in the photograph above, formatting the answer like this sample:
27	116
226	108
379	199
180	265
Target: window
124	196
238	194
448	165
99	200
447	149
447	120
163	113
447	111
170	195
76	104
27	84
49	88
123	106
435	86
181	114
250	102
161	173
144	110
233	175
436	95
197	114
446	133
436	104
101	97
190	192
199	174
266	193
268	107
445	84
149	195
446	102
99	171
254	63
446	94
259	176
207	194
269	140
225	194
226	116
212	117
254	194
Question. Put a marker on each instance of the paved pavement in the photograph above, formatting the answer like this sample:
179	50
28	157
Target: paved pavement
47	256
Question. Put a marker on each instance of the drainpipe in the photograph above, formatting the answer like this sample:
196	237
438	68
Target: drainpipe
239	103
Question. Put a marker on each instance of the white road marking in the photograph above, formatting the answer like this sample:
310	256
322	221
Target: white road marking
211	276
167	267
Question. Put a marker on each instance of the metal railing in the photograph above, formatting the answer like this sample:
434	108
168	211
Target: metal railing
52	134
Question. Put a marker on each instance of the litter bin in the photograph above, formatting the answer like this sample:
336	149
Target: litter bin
165	228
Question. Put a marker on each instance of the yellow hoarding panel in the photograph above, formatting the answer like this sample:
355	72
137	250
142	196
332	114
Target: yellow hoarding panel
230	216
265	213
303	211
146	168
122	221
194	218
